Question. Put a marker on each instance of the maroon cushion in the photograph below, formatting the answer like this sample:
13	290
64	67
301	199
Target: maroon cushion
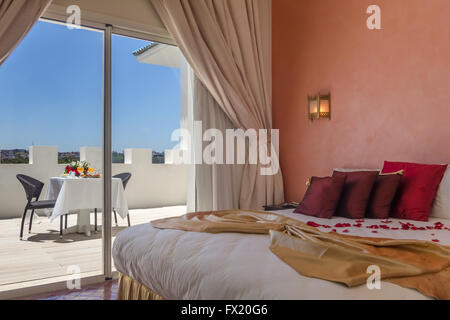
382	196
322	197
417	189
356	193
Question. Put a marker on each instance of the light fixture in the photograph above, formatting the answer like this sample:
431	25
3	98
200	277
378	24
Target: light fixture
319	107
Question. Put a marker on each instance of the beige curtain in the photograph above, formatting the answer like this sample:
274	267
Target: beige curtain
228	45
16	19
218	185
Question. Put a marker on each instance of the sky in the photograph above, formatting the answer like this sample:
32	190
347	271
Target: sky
51	93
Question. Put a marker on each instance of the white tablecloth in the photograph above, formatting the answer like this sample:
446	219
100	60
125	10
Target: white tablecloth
73	194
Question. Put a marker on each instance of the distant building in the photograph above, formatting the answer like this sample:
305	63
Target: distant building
12	154
158	157
15	153
118	157
21	156
67	157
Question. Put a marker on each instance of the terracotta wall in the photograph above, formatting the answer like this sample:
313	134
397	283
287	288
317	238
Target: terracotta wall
390	88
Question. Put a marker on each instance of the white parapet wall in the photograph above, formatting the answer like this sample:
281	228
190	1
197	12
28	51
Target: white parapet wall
151	185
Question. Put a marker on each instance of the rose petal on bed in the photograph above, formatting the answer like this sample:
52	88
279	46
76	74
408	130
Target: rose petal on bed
342	225
313	224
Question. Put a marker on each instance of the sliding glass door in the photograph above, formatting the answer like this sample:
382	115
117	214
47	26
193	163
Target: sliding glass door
51	134
78	106
146	105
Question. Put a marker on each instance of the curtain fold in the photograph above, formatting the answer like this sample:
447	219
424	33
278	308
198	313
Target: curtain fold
228	45
218	185
16	19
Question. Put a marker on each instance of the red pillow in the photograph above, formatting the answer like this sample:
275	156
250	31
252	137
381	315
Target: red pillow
356	193
382	196
417	189
322	197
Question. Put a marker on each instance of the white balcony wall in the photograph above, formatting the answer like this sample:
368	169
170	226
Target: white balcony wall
151	185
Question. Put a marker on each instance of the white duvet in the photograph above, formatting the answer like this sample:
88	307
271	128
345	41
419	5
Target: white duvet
191	265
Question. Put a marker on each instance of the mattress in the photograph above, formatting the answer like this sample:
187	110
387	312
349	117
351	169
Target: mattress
190	265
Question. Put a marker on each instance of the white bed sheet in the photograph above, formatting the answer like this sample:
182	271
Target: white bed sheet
191	265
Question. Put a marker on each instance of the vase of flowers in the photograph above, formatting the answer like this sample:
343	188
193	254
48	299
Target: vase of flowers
77	168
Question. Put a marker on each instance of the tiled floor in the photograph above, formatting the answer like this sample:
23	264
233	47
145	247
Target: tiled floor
102	291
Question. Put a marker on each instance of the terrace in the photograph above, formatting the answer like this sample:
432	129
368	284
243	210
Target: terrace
154	191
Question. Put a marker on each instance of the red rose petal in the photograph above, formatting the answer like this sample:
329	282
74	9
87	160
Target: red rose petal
313	224
435	240
342	225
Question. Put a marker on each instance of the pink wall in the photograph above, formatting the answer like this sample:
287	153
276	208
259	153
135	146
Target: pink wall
390	88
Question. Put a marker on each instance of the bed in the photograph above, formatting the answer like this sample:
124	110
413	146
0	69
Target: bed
173	264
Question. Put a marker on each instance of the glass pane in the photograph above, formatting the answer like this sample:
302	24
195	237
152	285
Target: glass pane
147	86
51	109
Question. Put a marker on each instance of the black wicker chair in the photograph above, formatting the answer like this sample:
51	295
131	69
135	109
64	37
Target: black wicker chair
33	189
125	177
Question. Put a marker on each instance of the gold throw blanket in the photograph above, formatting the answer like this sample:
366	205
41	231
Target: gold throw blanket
421	265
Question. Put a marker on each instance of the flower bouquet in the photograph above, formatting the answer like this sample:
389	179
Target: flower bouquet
78	168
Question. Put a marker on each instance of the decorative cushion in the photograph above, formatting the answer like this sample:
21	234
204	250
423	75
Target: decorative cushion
382	196
355	170
441	205
322	197
356	193
417	189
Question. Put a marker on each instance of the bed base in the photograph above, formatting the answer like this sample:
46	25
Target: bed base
130	289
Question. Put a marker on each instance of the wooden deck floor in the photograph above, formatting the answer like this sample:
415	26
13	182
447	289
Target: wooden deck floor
42	254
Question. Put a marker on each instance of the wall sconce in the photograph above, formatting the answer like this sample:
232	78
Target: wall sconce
319	107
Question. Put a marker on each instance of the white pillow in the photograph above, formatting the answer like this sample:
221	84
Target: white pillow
441	205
